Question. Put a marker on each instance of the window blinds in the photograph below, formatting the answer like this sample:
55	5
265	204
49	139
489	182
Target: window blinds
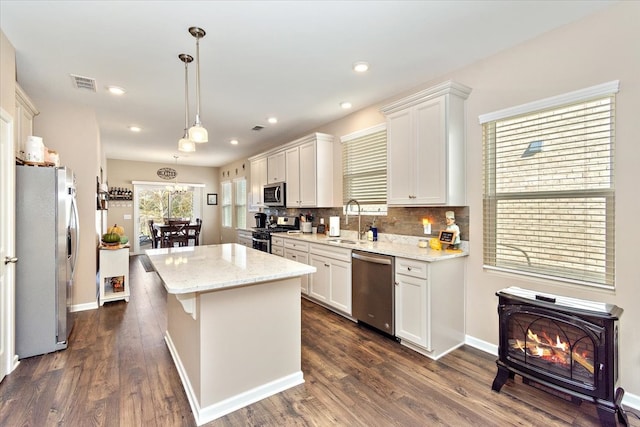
364	167
549	192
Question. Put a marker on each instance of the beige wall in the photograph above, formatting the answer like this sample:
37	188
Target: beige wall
595	50
120	173
73	132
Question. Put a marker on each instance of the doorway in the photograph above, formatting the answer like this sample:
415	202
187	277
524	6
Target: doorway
8	361
157	202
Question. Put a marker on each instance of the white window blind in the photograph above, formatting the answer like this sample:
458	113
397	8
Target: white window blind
241	202
364	168
549	191
226	204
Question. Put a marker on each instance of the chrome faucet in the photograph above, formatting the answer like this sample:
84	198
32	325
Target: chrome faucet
347	216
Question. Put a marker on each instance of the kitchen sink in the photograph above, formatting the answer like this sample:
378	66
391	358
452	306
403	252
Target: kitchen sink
348	242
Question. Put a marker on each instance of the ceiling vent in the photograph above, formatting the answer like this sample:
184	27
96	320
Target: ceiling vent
80	82
257	128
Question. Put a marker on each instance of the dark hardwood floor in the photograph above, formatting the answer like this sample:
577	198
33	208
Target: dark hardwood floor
117	371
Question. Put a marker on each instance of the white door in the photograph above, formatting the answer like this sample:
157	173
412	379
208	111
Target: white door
7	245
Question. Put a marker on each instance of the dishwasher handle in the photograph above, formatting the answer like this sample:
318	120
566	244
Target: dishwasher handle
373	259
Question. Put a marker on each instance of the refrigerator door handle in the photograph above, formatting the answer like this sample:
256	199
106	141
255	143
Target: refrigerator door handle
74	213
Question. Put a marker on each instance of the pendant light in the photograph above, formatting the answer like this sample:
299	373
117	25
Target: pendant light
197	133
185	144
176	188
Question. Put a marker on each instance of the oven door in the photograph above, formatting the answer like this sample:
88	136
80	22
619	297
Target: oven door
262	244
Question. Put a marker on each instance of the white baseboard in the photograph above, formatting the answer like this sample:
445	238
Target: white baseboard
224	407
629	399
84	307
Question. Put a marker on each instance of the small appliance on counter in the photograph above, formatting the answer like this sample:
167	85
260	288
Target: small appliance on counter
334	226
261	220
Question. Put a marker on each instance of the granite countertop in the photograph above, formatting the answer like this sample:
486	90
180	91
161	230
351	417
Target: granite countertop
387	244
204	268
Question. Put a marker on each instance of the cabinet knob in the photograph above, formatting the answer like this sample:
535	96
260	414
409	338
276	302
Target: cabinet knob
408	268
10	260
396	283
327	265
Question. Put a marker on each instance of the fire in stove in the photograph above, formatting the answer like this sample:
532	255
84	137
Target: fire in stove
553	351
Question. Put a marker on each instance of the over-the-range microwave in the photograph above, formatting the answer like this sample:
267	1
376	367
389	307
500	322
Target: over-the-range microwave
274	194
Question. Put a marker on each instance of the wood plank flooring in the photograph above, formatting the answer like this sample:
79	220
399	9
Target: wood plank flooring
117	371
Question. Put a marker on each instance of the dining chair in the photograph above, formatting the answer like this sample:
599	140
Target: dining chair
154	234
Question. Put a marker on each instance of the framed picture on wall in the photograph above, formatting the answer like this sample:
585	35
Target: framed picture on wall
212	198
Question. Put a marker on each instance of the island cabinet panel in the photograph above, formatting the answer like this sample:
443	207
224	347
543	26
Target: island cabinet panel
243	345
426	147
296	250
429	305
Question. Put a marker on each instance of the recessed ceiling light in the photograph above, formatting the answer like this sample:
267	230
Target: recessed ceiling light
134	128
345	105
360	66
272	120
115	90
234	142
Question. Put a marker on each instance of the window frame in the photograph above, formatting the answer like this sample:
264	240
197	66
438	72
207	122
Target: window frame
491	196
226	203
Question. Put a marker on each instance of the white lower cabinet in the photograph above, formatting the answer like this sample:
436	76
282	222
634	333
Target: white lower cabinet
429	305
113	277
244	238
298	251
331	284
277	245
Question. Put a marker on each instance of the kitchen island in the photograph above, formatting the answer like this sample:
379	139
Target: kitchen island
233	324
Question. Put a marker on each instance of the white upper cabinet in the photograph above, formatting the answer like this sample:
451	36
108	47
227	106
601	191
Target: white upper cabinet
307	167
25	112
276	169
426	147
258	180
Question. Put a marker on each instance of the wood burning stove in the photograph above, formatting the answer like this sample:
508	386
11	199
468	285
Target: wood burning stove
565	344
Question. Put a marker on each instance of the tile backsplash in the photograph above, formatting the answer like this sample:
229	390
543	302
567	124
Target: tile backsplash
399	220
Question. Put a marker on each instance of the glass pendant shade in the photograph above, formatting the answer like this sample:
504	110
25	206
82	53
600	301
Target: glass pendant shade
198	134
186	145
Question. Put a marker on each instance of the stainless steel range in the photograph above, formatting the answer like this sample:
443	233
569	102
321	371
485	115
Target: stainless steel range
262	236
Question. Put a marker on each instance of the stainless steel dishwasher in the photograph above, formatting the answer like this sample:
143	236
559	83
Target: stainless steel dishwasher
372	284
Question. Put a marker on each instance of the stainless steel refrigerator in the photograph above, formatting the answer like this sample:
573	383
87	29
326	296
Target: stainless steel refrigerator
46	247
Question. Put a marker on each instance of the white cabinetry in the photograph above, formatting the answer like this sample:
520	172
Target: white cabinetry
244	238
113	280
298	251
277	245
331	284
25	112
309	166
258	180
276	171
426	147
429	305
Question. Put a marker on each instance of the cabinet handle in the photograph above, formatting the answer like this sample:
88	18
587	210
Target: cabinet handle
327	265
396	283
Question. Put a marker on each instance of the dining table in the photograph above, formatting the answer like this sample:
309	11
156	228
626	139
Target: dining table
178	233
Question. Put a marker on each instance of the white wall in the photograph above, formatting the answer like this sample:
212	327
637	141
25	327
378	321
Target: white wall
73	132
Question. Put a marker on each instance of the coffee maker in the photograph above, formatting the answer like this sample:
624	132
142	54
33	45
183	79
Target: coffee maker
261	220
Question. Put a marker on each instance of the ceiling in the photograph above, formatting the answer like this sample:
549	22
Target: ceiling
289	59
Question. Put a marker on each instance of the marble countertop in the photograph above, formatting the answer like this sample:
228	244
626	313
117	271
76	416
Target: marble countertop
387	244
204	268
